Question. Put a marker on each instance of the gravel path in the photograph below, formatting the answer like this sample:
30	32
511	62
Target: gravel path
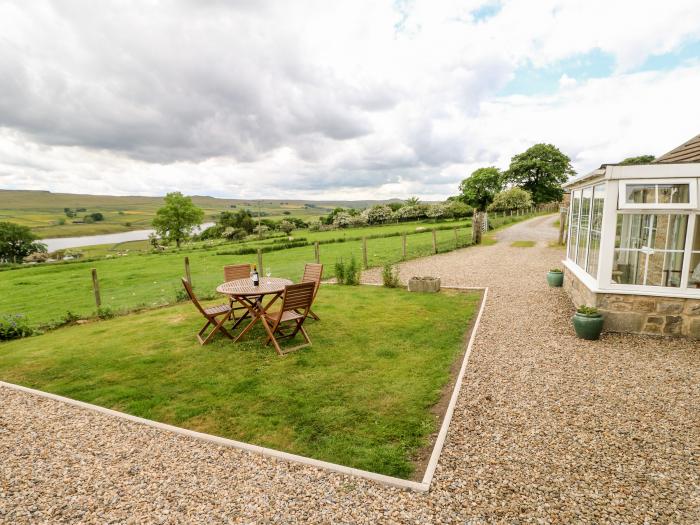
548	428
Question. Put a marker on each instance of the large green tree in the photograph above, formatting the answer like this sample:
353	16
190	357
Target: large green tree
176	220
641	159
16	242
479	189
541	170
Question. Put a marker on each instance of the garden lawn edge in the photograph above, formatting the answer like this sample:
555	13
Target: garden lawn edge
422	486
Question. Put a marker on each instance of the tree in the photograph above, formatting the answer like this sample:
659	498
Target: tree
439	211
239	219
481	187
176	220
459	209
286	226
642	159
342	220
512	199
412	201
17	242
377	214
410	213
541	170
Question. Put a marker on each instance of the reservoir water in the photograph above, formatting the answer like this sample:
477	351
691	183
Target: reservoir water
63	243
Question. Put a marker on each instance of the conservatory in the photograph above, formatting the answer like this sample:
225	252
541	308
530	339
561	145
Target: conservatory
633	244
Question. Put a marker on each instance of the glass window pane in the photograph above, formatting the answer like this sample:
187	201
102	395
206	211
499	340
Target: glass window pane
629	231
649	249
573	232
584	226
674	193
626	267
694	277
641	193
596	225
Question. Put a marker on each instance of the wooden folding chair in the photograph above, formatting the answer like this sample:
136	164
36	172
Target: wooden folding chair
210	314
313	273
233	272
296	304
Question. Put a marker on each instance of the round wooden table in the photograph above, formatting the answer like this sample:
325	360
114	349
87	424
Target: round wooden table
251	297
245	288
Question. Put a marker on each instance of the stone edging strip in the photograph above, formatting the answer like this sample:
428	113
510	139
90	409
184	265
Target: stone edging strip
422	486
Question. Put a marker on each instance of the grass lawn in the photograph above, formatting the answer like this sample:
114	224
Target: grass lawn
360	396
522	244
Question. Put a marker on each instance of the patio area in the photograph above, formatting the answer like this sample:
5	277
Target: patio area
547	428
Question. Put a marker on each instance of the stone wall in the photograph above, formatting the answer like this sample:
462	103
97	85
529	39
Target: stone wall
642	314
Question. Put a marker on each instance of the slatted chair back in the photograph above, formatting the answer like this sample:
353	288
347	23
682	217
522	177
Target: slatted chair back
298	297
233	272
210	314
192	296
313	273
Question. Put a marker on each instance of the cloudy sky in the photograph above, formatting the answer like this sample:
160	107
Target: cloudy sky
333	99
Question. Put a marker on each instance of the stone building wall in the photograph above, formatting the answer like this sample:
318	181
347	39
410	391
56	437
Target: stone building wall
642	314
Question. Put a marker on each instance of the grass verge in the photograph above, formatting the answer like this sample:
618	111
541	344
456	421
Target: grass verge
360	396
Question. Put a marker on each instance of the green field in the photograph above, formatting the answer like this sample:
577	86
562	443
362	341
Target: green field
41	210
354	397
46	292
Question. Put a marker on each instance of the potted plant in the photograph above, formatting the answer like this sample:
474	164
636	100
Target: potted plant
424	284
555	277
588	322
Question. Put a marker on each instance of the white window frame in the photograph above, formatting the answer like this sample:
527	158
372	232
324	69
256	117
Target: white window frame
692	195
647	251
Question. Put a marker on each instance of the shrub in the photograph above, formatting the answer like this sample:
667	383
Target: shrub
390	276
105	312
512	199
556	270
70	318
352	272
340	271
348	273
14	326
587	310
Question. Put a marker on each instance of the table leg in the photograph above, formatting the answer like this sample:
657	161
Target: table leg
255	314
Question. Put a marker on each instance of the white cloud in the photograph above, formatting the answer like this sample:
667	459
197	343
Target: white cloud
338	100
565	81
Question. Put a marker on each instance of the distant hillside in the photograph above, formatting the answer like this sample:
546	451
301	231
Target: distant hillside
43	211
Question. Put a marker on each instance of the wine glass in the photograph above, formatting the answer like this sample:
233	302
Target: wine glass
269	272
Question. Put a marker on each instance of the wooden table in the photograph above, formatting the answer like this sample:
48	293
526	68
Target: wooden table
243	291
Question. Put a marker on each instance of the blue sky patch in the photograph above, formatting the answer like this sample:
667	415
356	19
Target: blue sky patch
687	53
486	11
530	80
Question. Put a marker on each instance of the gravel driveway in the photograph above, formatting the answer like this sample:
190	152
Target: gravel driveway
548	428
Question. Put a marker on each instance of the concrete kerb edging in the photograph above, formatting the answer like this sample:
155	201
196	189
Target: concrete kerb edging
422	486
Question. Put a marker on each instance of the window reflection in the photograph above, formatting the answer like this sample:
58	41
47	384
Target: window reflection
649	249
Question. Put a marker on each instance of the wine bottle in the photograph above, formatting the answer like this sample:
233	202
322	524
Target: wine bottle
255	277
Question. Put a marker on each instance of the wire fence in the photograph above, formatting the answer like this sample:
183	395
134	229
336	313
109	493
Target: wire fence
124	284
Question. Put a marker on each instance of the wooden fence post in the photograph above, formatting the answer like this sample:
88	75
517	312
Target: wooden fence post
364	252
404	245
96	288
562	224
187	270
476	228
435	250
317	253
260	262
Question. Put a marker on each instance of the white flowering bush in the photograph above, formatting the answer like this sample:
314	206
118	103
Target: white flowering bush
377	214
